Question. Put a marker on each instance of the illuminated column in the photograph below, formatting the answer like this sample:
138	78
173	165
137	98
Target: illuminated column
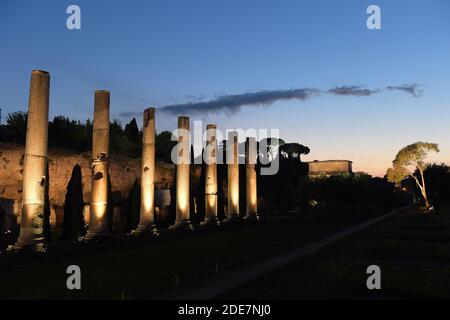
250	181
182	197
233	176
211	175
35	165
100	157
147	215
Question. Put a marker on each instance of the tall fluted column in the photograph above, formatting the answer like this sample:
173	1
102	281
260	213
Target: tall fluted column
147	213
182	181
35	165
250	181
100	161
211	175
233	176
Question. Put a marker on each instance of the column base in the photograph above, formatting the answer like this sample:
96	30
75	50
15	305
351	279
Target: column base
181	226
231	219
96	236
252	217
32	240
211	222
29	248
146	230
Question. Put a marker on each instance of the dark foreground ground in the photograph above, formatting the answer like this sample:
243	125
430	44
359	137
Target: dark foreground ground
411	248
143	269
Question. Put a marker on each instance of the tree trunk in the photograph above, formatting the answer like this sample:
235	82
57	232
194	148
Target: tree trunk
422	189
424	192
427	203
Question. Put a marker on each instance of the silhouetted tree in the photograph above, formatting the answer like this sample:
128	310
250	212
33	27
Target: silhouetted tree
73	223
280	189
222	185
348	192
437	177
126	142
242	190
173	200
17	121
193	188
68	134
201	191
3	240
164	146
73	135
293	150
132	131
47	226
271	147
111	203
133	206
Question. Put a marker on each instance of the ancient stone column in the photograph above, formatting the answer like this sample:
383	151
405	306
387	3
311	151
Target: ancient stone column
98	225
250	181
182	181
35	165
211	175
147	213
233	176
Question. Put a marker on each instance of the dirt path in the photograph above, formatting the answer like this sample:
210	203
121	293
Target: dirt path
221	282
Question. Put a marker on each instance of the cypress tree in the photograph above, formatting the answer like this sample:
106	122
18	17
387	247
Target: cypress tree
73	223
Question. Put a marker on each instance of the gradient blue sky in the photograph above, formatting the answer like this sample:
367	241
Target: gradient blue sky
165	52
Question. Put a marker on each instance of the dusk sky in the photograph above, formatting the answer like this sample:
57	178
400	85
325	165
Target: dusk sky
160	53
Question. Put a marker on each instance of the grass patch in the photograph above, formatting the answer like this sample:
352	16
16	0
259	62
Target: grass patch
411	248
147	268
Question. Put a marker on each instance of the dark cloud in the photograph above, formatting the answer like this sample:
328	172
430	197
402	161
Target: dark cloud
130	114
412	88
356	91
231	104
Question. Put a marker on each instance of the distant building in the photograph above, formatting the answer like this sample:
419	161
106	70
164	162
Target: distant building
329	167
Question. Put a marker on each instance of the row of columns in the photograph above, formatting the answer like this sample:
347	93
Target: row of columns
211	182
35	170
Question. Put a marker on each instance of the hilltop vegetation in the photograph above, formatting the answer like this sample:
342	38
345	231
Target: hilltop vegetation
67	134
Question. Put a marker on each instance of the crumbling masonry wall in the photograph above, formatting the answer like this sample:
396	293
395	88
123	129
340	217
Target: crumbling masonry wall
123	172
